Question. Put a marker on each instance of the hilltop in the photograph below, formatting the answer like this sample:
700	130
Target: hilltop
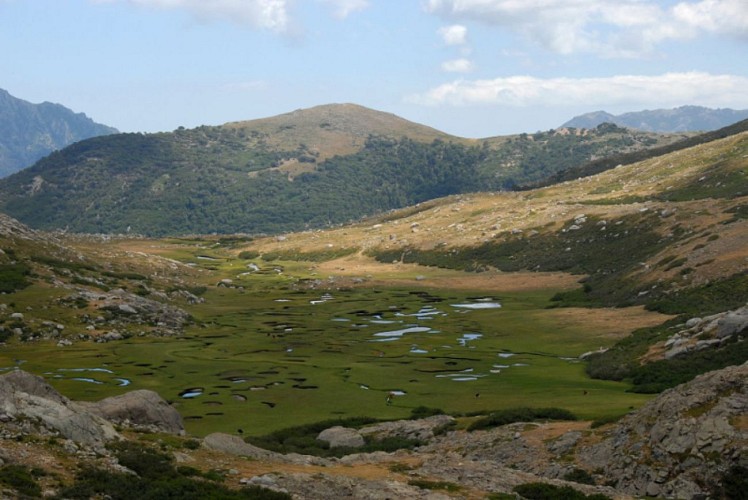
29	131
309	168
682	119
335	129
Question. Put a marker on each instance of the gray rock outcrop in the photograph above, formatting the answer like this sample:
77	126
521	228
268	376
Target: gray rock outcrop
703	333
29	400
142	409
27	397
327	486
682	441
421	430
233	445
120	307
341	437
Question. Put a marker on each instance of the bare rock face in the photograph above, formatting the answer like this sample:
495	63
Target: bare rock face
342	437
234	445
680	442
23	381
26	397
326	486
120	308
710	332
141	409
10	227
422	430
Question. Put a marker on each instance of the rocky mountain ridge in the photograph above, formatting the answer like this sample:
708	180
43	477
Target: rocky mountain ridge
682	119
29	131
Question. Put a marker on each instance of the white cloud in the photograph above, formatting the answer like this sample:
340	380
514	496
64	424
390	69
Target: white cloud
458	66
453	35
727	17
669	89
343	8
272	15
620	28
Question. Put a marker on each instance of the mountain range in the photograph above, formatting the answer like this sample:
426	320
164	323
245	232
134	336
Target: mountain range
29	131
682	119
309	168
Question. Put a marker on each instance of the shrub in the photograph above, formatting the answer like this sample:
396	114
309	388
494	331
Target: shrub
434	485
604	421
733	486
192	444
501	496
511	415
303	439
144	461
579	476
97	483
21	479
660	375
424	412
400	467
13	277
714	297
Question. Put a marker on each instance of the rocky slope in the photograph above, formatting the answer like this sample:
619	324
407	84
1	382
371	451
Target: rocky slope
679	445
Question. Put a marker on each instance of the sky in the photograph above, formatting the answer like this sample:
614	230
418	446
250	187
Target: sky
472	68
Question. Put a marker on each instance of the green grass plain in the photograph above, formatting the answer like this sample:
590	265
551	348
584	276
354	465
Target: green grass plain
276	353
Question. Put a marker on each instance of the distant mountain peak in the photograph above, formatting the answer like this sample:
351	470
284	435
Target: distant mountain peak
687	118
29	131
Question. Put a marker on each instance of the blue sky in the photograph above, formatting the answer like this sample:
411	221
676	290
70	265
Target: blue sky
474	68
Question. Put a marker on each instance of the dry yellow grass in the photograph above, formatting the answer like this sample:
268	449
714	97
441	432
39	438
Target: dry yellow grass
467	220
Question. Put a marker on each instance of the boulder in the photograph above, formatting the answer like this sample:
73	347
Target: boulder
234	445
339	437
421	430
143	409
732	323
127	309
27	397
22	381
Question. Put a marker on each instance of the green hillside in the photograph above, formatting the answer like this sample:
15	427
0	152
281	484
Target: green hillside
309	168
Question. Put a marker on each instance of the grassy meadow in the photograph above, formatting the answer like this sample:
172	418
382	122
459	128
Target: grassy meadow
280	346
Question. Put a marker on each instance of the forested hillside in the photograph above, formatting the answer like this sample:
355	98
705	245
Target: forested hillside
310	168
